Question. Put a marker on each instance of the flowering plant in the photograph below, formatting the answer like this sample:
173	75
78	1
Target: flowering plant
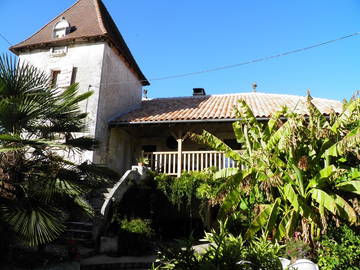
296	248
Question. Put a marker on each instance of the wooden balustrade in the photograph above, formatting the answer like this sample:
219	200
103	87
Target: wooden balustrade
167	162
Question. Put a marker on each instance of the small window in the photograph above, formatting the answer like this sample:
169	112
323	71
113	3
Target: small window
73	76
55	78
59	33
58	51
61	28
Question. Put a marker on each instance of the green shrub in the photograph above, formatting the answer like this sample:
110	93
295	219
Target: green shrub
137	225
225	252
181	191
264	254
340	250
146	201
135	236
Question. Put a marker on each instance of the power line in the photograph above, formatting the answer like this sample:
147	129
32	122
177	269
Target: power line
246	62
236	65
255	60
4	38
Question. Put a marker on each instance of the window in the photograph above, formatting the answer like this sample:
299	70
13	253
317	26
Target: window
61	28
58	51
55	78
62	76
59	33
73	76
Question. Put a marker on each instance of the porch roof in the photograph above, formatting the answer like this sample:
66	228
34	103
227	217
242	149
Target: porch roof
217	108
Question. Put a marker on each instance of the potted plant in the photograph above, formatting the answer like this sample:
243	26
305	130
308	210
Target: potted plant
297	250
142	161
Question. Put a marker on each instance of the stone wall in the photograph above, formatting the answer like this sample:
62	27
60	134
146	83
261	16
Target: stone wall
88	61
116	89
120	91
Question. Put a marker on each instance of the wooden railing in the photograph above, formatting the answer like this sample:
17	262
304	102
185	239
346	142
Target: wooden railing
168	162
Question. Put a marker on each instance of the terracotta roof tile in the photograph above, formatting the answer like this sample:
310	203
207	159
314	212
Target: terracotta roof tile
88	19
219	107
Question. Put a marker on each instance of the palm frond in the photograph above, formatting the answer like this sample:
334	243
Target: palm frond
35	225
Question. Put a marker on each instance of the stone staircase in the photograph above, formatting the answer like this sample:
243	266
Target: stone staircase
79	232
82	229
85	231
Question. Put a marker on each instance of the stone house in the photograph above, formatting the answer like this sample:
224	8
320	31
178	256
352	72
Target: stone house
84	45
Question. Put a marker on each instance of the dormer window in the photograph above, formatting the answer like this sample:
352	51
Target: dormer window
61	29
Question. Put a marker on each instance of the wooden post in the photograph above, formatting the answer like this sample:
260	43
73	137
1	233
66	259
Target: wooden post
179	159
179	138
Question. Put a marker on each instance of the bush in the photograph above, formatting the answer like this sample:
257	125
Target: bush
135	236
195	195
146	201
137	225
340	250
264	254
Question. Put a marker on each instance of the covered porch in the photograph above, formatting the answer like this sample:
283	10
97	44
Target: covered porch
160	128
168	148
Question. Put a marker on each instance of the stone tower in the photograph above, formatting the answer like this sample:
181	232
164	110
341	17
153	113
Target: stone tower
84	45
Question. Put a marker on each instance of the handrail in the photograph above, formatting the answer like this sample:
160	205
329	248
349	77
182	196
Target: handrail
168	162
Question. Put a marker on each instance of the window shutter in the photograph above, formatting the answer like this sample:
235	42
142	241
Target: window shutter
64	78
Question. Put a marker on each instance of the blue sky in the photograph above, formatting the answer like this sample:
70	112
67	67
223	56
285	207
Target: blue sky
169	37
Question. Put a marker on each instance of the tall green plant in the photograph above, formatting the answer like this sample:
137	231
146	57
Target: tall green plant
38	185
224	251
301	169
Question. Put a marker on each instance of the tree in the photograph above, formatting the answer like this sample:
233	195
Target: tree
39	186
300	171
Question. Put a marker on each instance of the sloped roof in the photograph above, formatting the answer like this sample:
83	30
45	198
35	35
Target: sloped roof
88	19
218	108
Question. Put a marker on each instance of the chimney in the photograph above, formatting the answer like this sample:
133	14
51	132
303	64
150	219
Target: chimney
199	92
254	86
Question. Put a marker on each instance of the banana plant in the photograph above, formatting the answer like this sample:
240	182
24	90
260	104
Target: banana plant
306	166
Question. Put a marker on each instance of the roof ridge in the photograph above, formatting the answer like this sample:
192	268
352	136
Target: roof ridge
220	108
100	17
240	94
73	5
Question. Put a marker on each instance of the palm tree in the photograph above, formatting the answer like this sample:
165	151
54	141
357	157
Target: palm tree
38	185
299	172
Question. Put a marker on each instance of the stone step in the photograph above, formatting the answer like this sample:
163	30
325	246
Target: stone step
79	223
88	243
84	235
116	266
99	262
86	226
79	231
